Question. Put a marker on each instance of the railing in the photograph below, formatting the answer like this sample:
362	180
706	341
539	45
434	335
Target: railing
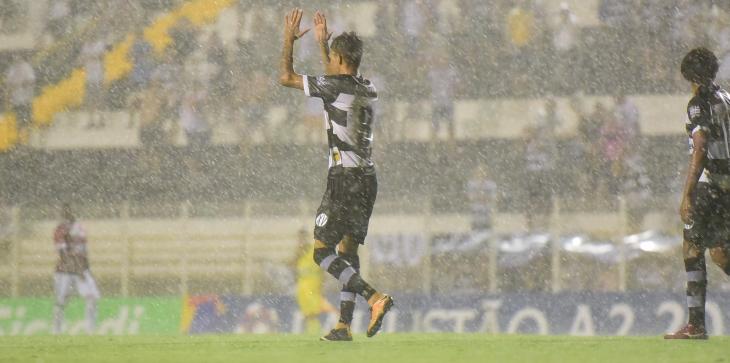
249	254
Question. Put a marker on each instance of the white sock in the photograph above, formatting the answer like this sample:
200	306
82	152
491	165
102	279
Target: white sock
57	319
90	316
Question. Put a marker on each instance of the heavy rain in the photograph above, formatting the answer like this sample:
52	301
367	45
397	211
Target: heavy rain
161	172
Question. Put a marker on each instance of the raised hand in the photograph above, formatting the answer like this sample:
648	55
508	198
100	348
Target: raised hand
291	25
320	28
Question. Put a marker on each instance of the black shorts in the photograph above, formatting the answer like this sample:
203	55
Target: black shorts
346	206
711	214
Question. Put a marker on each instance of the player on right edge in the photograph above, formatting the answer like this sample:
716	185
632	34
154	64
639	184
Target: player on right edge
705	208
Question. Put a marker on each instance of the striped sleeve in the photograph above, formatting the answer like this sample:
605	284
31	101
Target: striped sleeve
698	117
320	87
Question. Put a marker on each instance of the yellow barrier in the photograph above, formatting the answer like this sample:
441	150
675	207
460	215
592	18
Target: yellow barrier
157	33
203	11
8	131
59	97
117	63
198	13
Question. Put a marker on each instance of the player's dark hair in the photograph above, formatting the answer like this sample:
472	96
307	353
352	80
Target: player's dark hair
349	46
700	66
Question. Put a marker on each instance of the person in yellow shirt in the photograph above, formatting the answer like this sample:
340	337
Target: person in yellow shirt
309	285
520	26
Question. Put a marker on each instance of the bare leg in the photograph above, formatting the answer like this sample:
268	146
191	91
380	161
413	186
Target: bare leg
90	314
61	285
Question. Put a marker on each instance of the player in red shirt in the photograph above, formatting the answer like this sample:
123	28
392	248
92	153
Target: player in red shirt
72	270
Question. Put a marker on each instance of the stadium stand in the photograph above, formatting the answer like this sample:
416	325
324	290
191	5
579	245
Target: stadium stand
157	213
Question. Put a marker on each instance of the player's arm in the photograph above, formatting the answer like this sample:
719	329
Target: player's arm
323	36
287	76
696	167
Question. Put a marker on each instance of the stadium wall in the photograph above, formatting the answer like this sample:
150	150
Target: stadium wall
585	314
116	316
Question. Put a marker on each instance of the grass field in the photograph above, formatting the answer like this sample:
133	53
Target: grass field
421	348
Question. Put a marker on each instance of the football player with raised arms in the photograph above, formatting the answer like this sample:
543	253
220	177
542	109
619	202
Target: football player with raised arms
343	216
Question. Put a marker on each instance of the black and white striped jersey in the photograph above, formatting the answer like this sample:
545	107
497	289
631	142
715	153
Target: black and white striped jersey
348	115
709	111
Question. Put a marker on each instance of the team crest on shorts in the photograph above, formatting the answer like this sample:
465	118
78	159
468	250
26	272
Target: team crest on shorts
321	220
694	111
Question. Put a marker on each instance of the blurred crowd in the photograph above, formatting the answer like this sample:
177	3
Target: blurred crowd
437	51
424	55
427	54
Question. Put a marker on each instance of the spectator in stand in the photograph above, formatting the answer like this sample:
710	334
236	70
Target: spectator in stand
565	41
14	16
143	66
414	27
618	43
580	151
589	128
443	83
616	13
184	40
194	124
614	143
627	115
59	18
520	25
221	81
483	29
413	21
520	33
168	72
548	119
636	191
448	17
143	62
154	131
482	193
20	79
655	60
92	59
540	162
253	108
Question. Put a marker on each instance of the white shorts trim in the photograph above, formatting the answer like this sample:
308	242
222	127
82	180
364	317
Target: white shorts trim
305	83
